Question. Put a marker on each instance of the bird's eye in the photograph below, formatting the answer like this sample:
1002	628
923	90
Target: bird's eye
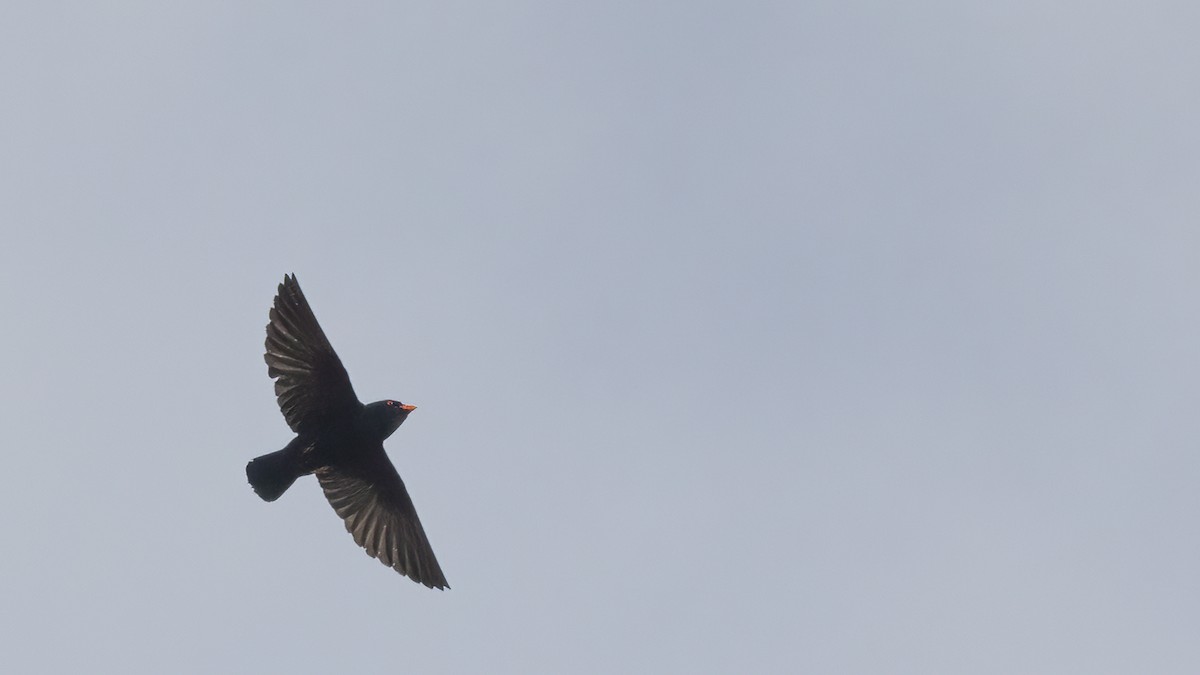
391	404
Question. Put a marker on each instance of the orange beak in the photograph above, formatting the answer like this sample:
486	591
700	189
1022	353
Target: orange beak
407	408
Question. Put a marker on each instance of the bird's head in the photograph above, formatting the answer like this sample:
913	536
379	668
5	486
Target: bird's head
384	417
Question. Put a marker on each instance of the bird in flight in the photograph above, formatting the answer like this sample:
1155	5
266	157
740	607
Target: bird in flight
341	441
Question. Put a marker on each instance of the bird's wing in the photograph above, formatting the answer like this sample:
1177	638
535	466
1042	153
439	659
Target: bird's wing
369	495
311	384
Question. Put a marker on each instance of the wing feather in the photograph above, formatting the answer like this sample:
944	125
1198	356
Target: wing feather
372	500
311	385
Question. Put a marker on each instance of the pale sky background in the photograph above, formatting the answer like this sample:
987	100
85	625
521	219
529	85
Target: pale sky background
787	337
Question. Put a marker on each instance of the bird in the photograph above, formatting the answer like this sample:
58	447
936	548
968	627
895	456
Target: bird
340	440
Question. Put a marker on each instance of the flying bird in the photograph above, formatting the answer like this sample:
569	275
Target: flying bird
341	441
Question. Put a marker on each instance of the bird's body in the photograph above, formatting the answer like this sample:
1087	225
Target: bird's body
341	441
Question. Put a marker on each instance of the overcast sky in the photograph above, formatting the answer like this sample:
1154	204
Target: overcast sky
779	337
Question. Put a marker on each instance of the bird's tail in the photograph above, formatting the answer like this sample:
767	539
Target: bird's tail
272	474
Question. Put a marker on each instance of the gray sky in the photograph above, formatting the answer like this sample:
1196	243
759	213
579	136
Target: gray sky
747	337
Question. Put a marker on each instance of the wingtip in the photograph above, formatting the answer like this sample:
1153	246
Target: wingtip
434	581
289	291
289	280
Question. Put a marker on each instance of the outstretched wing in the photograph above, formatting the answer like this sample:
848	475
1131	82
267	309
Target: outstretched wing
369	495
311	384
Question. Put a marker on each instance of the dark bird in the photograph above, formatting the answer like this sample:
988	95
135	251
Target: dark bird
341	441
